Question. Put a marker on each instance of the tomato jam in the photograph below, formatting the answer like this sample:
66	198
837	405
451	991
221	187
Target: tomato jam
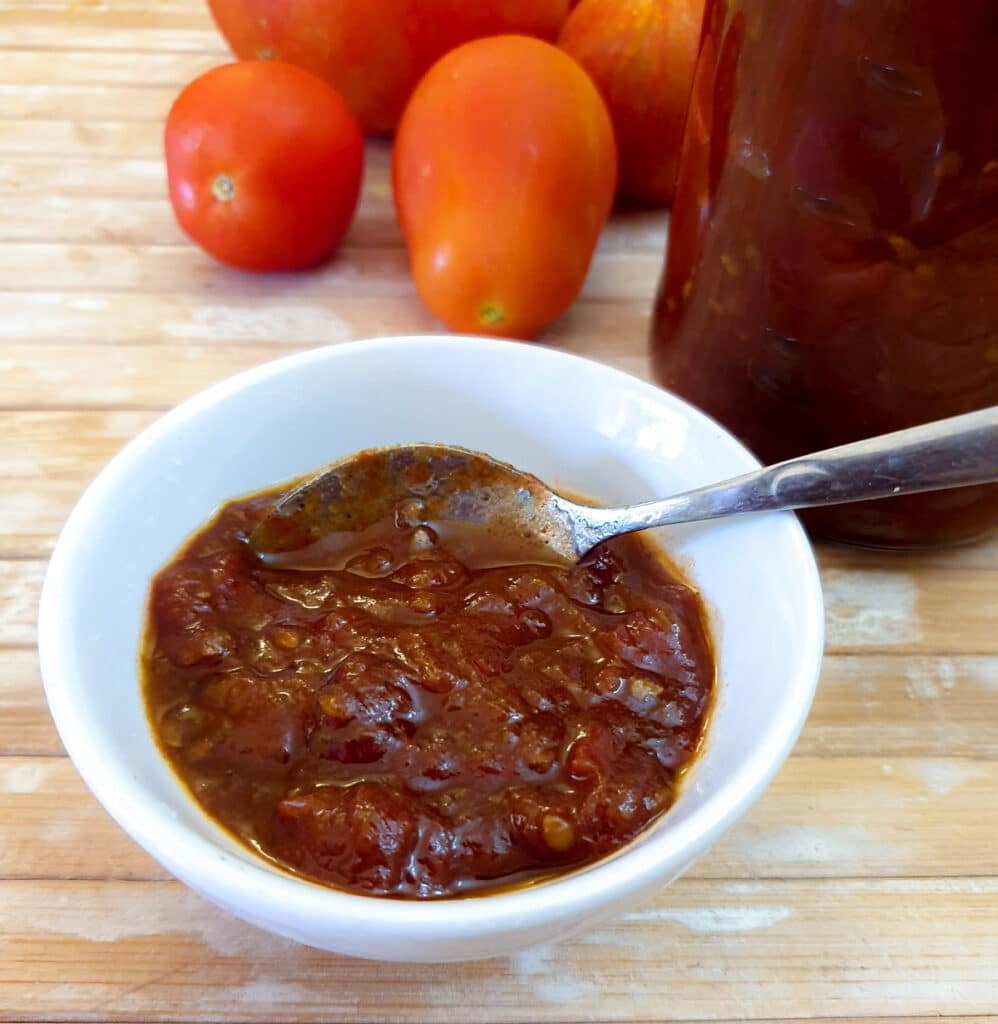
833	258
408	727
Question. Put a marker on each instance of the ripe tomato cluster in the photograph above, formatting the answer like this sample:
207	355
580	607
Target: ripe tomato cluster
505	163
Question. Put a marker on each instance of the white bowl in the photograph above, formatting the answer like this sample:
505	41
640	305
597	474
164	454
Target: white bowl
572	422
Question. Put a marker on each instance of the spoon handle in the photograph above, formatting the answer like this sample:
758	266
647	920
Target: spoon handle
947	453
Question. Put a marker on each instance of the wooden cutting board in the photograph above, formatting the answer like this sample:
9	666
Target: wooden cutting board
864	884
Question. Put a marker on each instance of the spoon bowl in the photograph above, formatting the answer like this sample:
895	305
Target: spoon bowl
487	512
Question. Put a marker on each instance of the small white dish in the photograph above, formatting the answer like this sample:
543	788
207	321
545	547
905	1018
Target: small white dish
574	423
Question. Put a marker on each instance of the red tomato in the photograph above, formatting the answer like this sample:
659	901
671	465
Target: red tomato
642	55
264	163
375	51
504	172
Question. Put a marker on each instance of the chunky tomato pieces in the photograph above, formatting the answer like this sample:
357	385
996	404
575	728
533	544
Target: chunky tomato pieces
408	727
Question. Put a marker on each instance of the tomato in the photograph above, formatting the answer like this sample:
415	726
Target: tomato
375	51
642	55
264	163
504	171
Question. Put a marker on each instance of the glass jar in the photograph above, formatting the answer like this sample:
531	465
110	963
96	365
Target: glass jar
832	270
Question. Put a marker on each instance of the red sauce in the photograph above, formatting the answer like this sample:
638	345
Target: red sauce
408	727
833	259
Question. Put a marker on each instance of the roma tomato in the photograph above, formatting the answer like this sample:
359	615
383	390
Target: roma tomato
375	51
504	171
641	54
264	163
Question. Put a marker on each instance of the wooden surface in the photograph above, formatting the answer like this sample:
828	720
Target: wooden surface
862	885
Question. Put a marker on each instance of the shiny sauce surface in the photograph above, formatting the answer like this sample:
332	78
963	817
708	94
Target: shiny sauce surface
407	727
833	246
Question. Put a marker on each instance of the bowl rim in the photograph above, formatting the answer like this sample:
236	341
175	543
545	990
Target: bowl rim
209	868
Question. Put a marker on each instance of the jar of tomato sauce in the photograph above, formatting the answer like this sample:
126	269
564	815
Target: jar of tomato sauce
832	270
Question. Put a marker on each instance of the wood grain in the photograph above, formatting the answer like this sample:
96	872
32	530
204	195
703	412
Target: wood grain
360	271
903	705
26	727
42	444
867	1019
614	330
125	141
28	67
704	950
862	885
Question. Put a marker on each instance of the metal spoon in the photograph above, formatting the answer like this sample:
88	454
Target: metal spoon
489	513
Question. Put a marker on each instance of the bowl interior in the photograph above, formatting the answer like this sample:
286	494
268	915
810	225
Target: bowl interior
571	422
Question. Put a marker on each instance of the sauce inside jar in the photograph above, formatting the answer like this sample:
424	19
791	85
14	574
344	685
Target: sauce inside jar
408	727
832	270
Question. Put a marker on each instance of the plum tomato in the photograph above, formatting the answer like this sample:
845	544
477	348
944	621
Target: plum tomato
504	171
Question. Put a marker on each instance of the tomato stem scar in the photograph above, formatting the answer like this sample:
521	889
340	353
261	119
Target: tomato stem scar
490	313
223	188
